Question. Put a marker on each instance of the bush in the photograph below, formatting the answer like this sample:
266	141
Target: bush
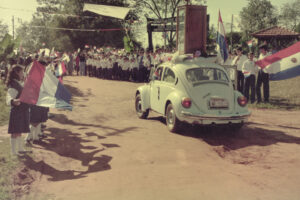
4	114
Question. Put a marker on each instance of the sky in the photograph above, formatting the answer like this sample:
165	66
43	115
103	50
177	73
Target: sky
23	10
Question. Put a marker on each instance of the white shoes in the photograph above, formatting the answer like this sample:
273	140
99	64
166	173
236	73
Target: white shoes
17	146
13	144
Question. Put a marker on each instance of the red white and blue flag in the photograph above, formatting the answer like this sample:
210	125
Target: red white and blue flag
250	43
42	88
282	65
61	69
221	40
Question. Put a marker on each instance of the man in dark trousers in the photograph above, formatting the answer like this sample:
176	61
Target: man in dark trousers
239	61
263	77
249	70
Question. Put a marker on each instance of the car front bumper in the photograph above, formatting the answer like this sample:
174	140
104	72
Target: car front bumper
213	119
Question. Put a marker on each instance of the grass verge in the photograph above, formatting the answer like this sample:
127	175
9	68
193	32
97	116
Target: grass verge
8	165
284	95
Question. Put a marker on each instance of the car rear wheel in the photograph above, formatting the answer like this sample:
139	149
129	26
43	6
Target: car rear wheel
173	123
138	108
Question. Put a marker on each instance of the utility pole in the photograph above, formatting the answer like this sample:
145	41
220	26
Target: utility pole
13	26
165	24
231	30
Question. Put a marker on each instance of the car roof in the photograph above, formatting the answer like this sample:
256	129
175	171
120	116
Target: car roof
183	65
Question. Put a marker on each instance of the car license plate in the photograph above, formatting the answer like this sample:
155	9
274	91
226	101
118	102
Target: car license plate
218	103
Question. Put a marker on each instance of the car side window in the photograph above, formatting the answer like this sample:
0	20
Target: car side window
158	73
169	76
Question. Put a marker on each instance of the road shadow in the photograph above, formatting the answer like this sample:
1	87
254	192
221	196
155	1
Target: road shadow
110	131
233	140
284	103
74	91
248	135
280	103
159	118
69	145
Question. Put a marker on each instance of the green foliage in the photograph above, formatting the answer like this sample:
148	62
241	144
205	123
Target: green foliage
3	30
257	15
67	40
297	29
236	39
290	14
7	45
4	114
211	40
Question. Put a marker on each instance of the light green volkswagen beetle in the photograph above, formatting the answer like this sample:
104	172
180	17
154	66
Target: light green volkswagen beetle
195	91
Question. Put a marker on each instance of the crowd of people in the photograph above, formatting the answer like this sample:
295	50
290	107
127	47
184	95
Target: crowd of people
250	77
111	64
115	64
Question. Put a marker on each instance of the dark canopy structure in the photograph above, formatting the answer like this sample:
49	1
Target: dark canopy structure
278	37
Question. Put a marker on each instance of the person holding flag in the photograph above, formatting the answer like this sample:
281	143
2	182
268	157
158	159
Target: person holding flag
284	64
263	77
221	41
19	112
42	88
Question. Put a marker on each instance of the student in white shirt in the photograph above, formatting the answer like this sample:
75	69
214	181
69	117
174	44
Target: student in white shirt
238	61
249	69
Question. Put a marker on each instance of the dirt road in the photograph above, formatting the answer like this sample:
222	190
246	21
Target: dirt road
101	150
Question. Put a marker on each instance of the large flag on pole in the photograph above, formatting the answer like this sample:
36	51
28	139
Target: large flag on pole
221	40
42	88
284	64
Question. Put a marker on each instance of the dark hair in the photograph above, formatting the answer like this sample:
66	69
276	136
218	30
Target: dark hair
13	74
263	46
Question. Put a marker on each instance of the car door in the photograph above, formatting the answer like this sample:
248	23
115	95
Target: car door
155	89
167	86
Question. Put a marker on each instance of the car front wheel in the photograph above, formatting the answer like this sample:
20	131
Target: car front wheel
173	123
138	108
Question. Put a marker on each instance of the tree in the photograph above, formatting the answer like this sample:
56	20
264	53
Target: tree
7	46
297	29
257	15
60	14
290	14
211	40
3	29
236	38
160	9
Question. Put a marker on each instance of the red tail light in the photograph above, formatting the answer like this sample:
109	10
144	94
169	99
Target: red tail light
186	102
242	101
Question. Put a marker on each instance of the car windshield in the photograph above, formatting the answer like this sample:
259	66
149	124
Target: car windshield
206	74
